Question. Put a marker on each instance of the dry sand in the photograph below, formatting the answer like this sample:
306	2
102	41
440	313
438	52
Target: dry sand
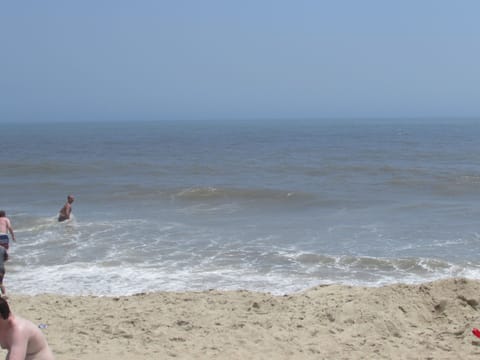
429	321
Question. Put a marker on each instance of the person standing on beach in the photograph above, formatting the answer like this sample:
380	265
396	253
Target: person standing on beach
5	229
66	210
22	339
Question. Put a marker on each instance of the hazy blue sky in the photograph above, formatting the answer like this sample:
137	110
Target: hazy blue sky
201	59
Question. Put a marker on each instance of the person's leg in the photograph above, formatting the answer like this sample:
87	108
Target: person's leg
2	288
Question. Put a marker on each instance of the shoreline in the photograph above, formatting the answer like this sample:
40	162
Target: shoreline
429	320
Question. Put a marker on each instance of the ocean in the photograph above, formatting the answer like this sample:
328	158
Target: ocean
270	206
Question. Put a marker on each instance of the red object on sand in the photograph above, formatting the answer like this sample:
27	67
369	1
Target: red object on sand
476	332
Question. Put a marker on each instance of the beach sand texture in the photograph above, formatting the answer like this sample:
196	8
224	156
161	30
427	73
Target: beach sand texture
428	321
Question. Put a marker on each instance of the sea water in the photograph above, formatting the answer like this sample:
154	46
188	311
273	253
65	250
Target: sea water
274	206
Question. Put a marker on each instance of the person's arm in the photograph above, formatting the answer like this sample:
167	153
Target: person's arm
10	229
18	350
68	211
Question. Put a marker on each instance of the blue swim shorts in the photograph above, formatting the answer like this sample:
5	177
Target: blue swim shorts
4	241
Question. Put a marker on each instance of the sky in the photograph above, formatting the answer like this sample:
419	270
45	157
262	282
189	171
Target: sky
116	60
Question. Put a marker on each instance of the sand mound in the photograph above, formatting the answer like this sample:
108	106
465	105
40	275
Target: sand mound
428	321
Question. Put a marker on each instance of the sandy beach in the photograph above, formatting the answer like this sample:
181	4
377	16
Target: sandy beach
428	321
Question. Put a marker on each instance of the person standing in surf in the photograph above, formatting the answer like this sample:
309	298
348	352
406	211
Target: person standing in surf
66	210
5	229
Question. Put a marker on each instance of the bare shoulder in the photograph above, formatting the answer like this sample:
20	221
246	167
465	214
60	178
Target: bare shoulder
25	328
